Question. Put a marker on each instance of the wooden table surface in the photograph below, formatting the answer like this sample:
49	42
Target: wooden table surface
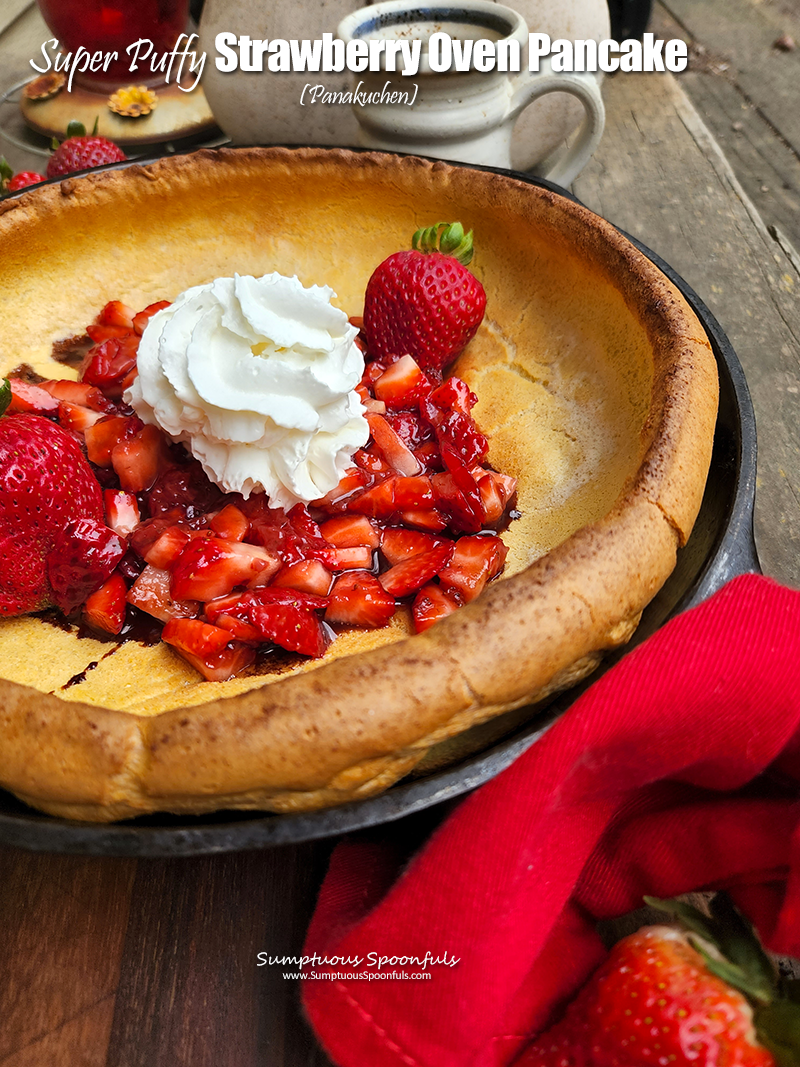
142	962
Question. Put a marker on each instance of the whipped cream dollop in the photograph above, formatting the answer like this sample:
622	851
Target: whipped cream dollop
257	377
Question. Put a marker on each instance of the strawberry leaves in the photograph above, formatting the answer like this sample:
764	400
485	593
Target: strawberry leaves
446	237
5	395
778	1028
739	958
732	951
6	175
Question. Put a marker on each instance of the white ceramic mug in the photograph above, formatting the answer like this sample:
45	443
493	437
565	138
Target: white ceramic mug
467	116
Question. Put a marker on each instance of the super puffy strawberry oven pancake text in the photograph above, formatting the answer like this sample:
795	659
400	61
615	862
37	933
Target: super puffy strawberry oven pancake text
109	518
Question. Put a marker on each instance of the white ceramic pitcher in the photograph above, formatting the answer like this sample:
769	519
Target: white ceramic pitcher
261	108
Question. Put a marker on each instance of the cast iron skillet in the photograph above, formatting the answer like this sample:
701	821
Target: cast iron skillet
721	547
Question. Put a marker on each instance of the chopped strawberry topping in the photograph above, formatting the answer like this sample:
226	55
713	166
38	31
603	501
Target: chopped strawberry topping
377	501
359	599
410	519
86	396
286	617
185	488
372	371
208	567
372	461
100	332
399	457
307	575
122	511
138	460
223	605
431	604
414	492
103	436
491	498
151	593
337	500
141	320
240	629
404	577
83	556
115	313
292	627
357	558
458	494
454	394
402	384
410	428
199	638
349	531
423	518
474	562
398	543
26	397
230	523
164	551
108	363
429	456
76	418
220	666
303	540
459	434
105	608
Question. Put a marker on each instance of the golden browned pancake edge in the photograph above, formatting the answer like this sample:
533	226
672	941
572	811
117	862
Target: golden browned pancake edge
563	287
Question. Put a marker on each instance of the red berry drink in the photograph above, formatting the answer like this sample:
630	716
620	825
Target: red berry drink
112	26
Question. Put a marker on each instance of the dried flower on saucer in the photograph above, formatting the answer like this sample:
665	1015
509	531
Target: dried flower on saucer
45	86
133	102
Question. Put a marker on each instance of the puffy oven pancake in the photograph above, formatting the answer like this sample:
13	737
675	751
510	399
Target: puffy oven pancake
597	389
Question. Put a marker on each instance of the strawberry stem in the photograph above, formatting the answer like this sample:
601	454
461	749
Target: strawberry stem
452	241
731	950
75	128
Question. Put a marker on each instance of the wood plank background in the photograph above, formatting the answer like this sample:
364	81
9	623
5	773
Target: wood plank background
746	93
11	11
142	963
661	176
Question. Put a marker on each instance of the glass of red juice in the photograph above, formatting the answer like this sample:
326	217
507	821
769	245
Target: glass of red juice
112	26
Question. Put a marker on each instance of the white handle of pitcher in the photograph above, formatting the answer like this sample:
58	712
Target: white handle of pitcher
583	86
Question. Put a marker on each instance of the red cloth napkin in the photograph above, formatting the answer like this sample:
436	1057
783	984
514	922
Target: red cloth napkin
652	783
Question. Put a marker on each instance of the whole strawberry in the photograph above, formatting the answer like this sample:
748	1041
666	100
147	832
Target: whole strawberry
425	302
45	483
668	997
11	182
23	179
81	151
